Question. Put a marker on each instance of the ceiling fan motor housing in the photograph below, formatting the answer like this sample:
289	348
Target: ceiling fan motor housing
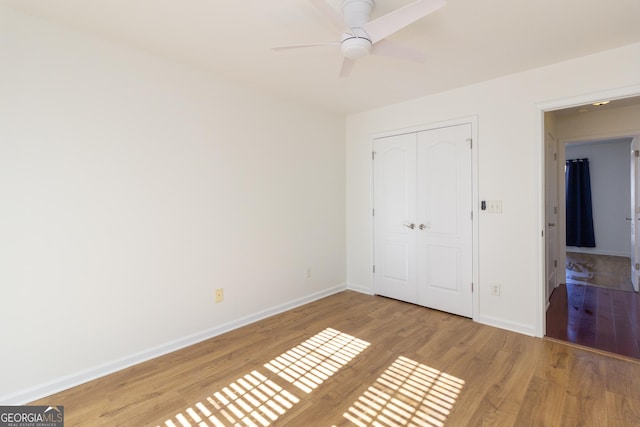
356	13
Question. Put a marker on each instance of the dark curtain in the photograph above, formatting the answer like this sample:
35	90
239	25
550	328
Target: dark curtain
579	213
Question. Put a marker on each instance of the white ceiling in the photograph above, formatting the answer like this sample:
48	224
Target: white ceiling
467	41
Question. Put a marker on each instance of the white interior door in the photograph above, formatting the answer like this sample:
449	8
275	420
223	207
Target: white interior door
394	177
445	227
551	214
635	212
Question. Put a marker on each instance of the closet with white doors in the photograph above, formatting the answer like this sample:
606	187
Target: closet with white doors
423	225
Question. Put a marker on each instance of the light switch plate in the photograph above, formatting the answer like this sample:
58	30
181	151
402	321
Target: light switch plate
494	206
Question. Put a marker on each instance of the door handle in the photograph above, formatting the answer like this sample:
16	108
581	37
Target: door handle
628	218
422	226
551	224
411	226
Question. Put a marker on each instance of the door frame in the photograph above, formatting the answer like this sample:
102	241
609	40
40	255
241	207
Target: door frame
475	203
633	214
556	226
612	94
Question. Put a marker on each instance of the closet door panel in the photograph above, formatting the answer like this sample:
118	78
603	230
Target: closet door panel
394	176
443	202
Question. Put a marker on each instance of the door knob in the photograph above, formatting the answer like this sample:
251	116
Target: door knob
411	226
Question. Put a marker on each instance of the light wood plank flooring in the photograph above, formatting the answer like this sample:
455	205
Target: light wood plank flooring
358	360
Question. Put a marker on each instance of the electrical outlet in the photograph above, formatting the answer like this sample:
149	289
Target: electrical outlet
219	295
495	289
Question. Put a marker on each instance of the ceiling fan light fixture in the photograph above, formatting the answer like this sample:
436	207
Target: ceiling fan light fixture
354	47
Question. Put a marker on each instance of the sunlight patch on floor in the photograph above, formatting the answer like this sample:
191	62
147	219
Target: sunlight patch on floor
311	363
407	393
257	401
253	400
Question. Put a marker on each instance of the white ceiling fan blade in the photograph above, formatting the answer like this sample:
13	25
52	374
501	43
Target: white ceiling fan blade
330	13
347	67
392	49
388	24
299	46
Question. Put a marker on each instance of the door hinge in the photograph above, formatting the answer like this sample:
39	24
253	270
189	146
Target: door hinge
373	212
373	155
555	209
636	153
542	233
555	156
374	269
555	262
471	215
471	286
637	266
470	143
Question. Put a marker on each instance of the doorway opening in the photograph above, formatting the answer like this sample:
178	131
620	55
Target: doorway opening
604	261
588	297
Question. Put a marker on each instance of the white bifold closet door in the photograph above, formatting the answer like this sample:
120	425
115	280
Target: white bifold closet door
422	218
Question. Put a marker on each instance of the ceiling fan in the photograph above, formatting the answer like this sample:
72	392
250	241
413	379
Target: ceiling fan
361	36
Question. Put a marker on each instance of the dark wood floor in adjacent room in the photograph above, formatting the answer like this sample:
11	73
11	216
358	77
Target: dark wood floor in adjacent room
601	318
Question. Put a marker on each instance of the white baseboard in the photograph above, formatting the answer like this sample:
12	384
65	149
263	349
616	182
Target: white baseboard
361	289
46	389
510	326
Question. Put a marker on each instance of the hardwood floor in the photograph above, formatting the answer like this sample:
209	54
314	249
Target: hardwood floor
597	307
606	319
358	360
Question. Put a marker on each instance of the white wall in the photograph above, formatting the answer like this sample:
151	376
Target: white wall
131	188
610	171
510	169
